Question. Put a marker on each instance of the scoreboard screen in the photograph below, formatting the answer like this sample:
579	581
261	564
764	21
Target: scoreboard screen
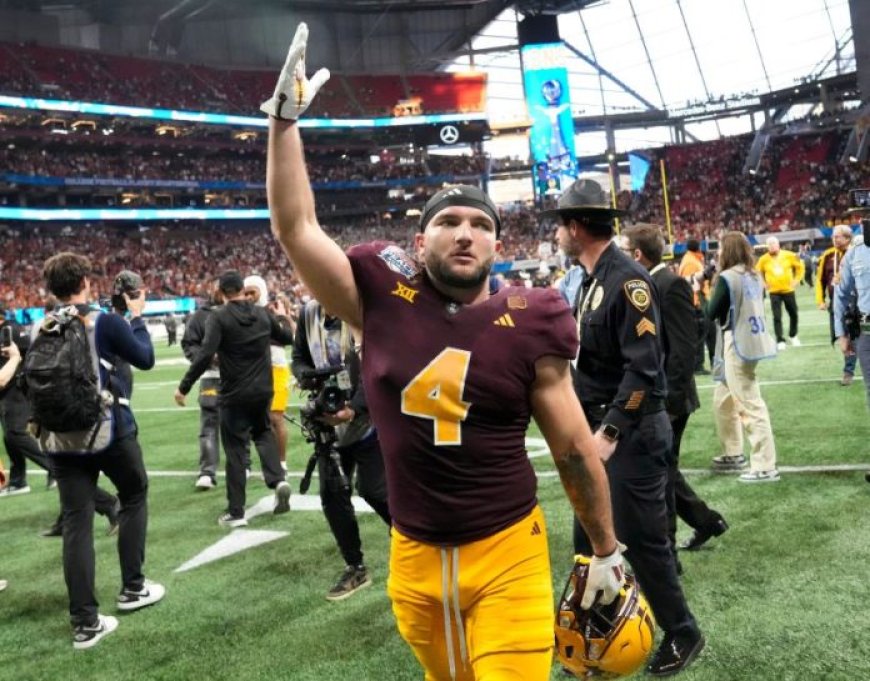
548	98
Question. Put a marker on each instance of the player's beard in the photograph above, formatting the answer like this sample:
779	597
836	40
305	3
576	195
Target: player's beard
439	270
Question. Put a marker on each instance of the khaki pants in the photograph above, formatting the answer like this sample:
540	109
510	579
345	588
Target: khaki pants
738	405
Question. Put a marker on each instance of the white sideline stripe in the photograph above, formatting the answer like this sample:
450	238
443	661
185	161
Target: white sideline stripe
172	362
829	468
311	502
235	542
797	381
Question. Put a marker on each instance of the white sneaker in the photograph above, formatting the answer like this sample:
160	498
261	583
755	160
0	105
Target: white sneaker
760	476
87	637
282	497
227	520
796	342
3	584
204	482
12	490
780	345
149	594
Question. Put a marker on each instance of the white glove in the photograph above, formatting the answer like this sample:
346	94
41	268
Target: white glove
294	92
606	577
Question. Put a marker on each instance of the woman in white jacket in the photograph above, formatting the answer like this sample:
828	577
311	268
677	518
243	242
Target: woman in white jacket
737	307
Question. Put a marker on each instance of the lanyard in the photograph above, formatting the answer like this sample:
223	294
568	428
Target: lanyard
584	305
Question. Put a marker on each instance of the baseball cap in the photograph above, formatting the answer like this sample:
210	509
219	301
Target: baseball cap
231	281
583	196
460	195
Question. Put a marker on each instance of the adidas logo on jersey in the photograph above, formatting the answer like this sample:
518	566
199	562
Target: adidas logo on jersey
536	529
504	320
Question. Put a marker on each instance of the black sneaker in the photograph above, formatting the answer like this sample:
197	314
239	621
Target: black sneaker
56	530
351	580
703	534
89	636
729	463
149	594
676	653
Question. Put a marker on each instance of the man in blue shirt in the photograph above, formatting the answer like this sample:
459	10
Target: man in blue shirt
115	339
855	284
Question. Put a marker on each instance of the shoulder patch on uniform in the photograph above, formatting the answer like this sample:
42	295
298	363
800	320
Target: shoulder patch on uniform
637	292
645	326
517	302
399	261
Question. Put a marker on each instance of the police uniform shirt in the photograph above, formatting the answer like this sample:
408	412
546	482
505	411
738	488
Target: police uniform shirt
619	371
854	280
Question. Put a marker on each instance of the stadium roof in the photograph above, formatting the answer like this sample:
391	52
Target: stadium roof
623	56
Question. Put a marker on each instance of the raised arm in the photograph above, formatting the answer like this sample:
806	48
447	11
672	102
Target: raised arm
321	263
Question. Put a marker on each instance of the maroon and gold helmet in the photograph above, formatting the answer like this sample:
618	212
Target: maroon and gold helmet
606	641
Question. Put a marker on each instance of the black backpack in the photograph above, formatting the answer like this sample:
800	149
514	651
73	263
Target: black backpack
60	378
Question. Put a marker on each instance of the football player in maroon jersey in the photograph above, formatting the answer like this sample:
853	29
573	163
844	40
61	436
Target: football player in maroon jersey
453	376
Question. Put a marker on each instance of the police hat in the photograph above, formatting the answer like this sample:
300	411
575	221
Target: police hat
583	197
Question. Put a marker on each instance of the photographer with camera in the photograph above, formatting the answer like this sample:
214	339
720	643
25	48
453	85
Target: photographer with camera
240	333
323	347
86	345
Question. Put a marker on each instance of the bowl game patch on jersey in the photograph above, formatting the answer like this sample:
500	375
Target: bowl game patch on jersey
399	261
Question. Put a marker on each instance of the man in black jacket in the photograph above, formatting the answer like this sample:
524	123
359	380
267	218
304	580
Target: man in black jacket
239	333
644	243
209	383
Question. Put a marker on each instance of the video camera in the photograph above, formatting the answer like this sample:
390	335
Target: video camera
126	282
329	390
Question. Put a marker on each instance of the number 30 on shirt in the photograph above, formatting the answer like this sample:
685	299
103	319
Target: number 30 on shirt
436	393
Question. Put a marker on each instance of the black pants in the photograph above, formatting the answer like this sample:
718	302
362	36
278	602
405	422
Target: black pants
77	480
701	323
682	500
239	424
637	473
20	445
364	457
777	300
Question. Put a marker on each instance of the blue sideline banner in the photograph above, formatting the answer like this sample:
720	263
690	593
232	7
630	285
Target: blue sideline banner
551	137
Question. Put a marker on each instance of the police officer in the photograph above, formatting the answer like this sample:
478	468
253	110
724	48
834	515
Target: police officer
855	285
322	341
620	380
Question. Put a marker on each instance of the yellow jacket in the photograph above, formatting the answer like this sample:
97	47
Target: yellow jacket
821	287
781	272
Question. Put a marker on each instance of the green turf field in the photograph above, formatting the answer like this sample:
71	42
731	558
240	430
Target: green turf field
783	595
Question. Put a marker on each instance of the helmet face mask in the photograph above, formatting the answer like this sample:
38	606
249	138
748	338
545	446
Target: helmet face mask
606	641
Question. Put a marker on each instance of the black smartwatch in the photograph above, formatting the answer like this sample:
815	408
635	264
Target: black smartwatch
611	432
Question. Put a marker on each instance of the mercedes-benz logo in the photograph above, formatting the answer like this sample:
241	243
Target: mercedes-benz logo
449	134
